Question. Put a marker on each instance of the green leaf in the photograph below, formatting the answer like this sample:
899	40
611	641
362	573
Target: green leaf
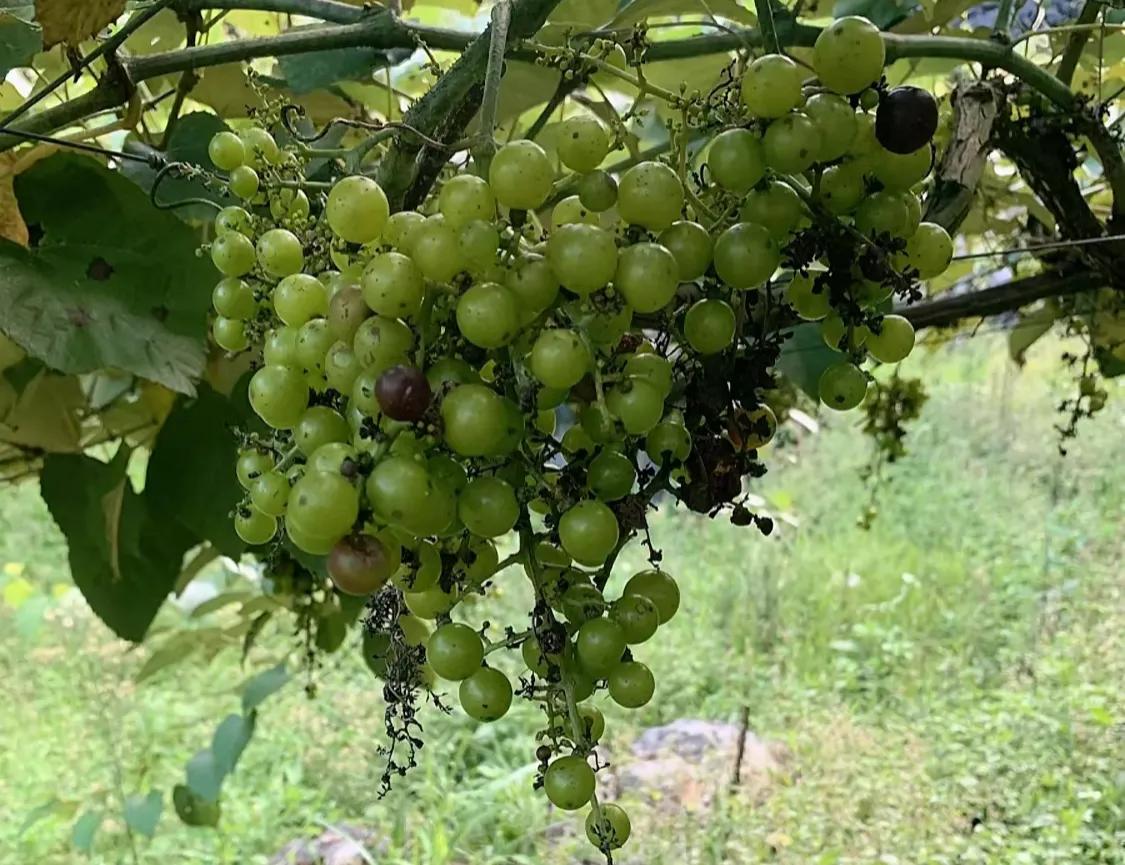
262	686
108	281
1032	325
179	647
124	558
1108	365
883	13
19	42
85	827
52	807
804	356
142	813
307	72
194	444
205	775
193	810
231	737
640	10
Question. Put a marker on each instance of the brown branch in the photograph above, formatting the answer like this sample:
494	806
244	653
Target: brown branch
975	106
1077	42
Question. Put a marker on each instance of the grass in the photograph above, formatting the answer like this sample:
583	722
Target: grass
948	681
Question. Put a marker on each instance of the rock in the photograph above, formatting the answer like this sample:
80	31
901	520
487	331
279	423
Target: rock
343	845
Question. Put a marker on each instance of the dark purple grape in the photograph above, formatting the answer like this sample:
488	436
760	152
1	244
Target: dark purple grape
403	393
906	119
359	565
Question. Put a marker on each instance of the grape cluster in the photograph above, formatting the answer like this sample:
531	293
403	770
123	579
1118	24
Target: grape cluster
413	368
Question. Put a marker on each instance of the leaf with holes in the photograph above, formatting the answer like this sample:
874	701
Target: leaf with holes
71	21
107	281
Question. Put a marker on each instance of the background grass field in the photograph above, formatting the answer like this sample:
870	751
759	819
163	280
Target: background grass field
948	681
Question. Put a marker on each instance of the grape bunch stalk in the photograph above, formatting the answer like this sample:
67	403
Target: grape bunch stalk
413	369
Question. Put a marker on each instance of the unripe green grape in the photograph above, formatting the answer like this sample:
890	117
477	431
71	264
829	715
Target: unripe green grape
380	342
546	421
393	285
736	160
233	298
929	250
317	427
835	122
610	476
746	255
583	142
260	146
569	782
660	588
233	218
533	656
759	426
842	188
690	243
593	723
313	341
913	214
600	645
651	195
534	284
244	182
280	347
465	198
638	404
612	830
652	368
647	276
431	603
233	254
454	651
254	527
230	334
849	55
570	210
709	325
279	395
870	294
270	492
521	175
298	298
842	386
638	617
810	304
403	493
900	171
775	206
289	204
893	342
583	257
324	504
363	393
486	695
882	212
869	99
226	151
581	603
668	440
833	330
357	209
250	466
450	370
400	228
280	253
488	507
607	327
588	532
559	358
307	541
865	148
487	315
424	573
483	559
598	191
347	310
436	249
577	441
480	241
631	684
771	86
474	419
791	143
601	424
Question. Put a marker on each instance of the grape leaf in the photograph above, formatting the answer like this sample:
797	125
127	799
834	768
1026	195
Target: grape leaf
307	72
71	21
124	559
192	809
46	414
20	40
142	813
639	10
230	739
262	686
108	281
85	827
804	356
884	13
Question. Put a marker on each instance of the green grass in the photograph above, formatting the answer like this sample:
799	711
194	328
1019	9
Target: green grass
948	681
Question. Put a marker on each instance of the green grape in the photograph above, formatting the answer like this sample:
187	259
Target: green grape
280	347
690	243
588	532
869	294
290	204
882	212
260	146
835	122
849	54
483	559
601	424
436	249
512	429
402	492
833	330
474	419
610	476
775	206
450	370
597	191
488	507
465	198
312	544
381	343
430	603
569	782
900	171
593	722
357	209
534	658
233	254
771	86
914	214
842	188
581	603
652	368
631	684
521	175
893	342
250	466
279	396
319	426
480	241
709	326
254	527
647	276
244	182
603	327
638	404
313	341
299	298
269	493
651	195
546	421
583	257
233	218
570	210
612	830
400	228
323	503
660	588
758	427
424	572
347	310
668	440
791	143
583	142
230	334
533	283
736	160
600	644
559	358
842	386
638	617
341	367
454	651
865	148
746	255
393	285
869	99
280	253
929	250
810	304
488	315
577	441
233	298
226	151
486	695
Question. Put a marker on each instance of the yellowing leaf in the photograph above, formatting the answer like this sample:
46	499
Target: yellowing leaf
47	415
17	591
12	226
71	21
13	569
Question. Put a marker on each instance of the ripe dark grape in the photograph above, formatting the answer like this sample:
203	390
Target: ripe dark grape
361	564
906	119
403	393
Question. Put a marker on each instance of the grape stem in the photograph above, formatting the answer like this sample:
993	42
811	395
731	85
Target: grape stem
508	642
494	71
